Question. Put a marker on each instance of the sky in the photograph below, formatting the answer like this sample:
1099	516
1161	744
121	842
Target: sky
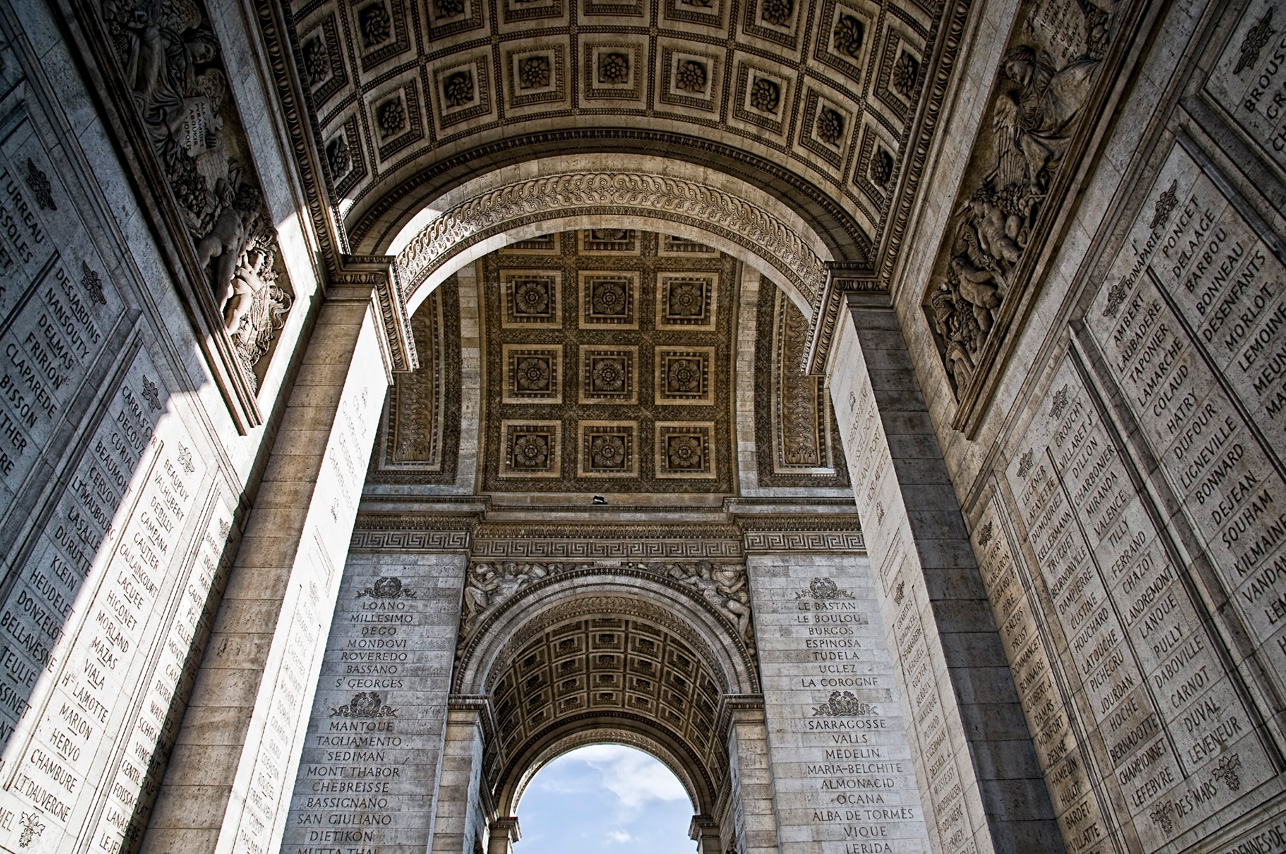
605	798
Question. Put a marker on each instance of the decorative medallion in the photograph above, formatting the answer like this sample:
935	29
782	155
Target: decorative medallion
532	373
608	374
531	448
685	301
608	449
608	299
531	297
684	449
683	375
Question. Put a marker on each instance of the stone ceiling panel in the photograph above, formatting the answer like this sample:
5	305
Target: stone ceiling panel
608	363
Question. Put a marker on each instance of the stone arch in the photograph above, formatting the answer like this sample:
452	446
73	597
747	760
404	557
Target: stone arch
653	194
637	654
509	798
372	223
635	589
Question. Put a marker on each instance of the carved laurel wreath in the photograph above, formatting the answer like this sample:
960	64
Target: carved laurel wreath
655	195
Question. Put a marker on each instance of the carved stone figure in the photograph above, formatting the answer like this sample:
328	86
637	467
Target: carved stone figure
1034	119
171	62
488	586
731	585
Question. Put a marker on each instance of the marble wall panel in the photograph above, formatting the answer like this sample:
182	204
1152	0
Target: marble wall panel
369	769
115	512
841	766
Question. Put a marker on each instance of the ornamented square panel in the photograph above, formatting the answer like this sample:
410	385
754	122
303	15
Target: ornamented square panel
381	31
760	97
608	374
462	90
825	128
520	11
899	74
609	241
535	76
531	448
322	68
847	37
532	297
532	373
609	299
686	300
613	70
685	449
683	375
546	244
344	157
642	323
772	20
395	116
688	78
707	13
447	17
878	154
608	449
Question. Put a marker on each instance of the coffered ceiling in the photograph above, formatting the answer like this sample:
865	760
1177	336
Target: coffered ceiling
407	96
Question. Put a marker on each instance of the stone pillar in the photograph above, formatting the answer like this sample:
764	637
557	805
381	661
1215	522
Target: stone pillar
504	833
705	832
752	781
979	780
227	787
459	819
835	728
378	716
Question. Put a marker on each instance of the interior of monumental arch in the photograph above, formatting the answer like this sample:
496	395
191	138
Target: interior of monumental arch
874	410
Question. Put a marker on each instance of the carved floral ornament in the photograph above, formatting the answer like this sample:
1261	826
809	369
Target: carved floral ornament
722	586
630	193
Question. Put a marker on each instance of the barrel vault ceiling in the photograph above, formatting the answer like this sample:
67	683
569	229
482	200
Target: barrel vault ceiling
407	96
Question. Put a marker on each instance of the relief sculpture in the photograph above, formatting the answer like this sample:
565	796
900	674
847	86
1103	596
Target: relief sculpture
723	586
1037	109
170	59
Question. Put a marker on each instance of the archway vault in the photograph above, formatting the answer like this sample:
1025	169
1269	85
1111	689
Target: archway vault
629	656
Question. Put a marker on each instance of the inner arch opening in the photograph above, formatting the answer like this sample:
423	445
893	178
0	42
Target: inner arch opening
604	797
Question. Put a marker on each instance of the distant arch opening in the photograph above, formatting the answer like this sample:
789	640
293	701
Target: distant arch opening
607	797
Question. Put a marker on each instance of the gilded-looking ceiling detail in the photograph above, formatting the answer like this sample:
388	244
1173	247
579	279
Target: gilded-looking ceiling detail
420	429
796	438
828	86
608	362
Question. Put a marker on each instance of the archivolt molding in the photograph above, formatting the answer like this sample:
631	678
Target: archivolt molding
748	220
614	590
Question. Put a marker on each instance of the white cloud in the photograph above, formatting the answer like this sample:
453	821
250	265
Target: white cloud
633	776
618	836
